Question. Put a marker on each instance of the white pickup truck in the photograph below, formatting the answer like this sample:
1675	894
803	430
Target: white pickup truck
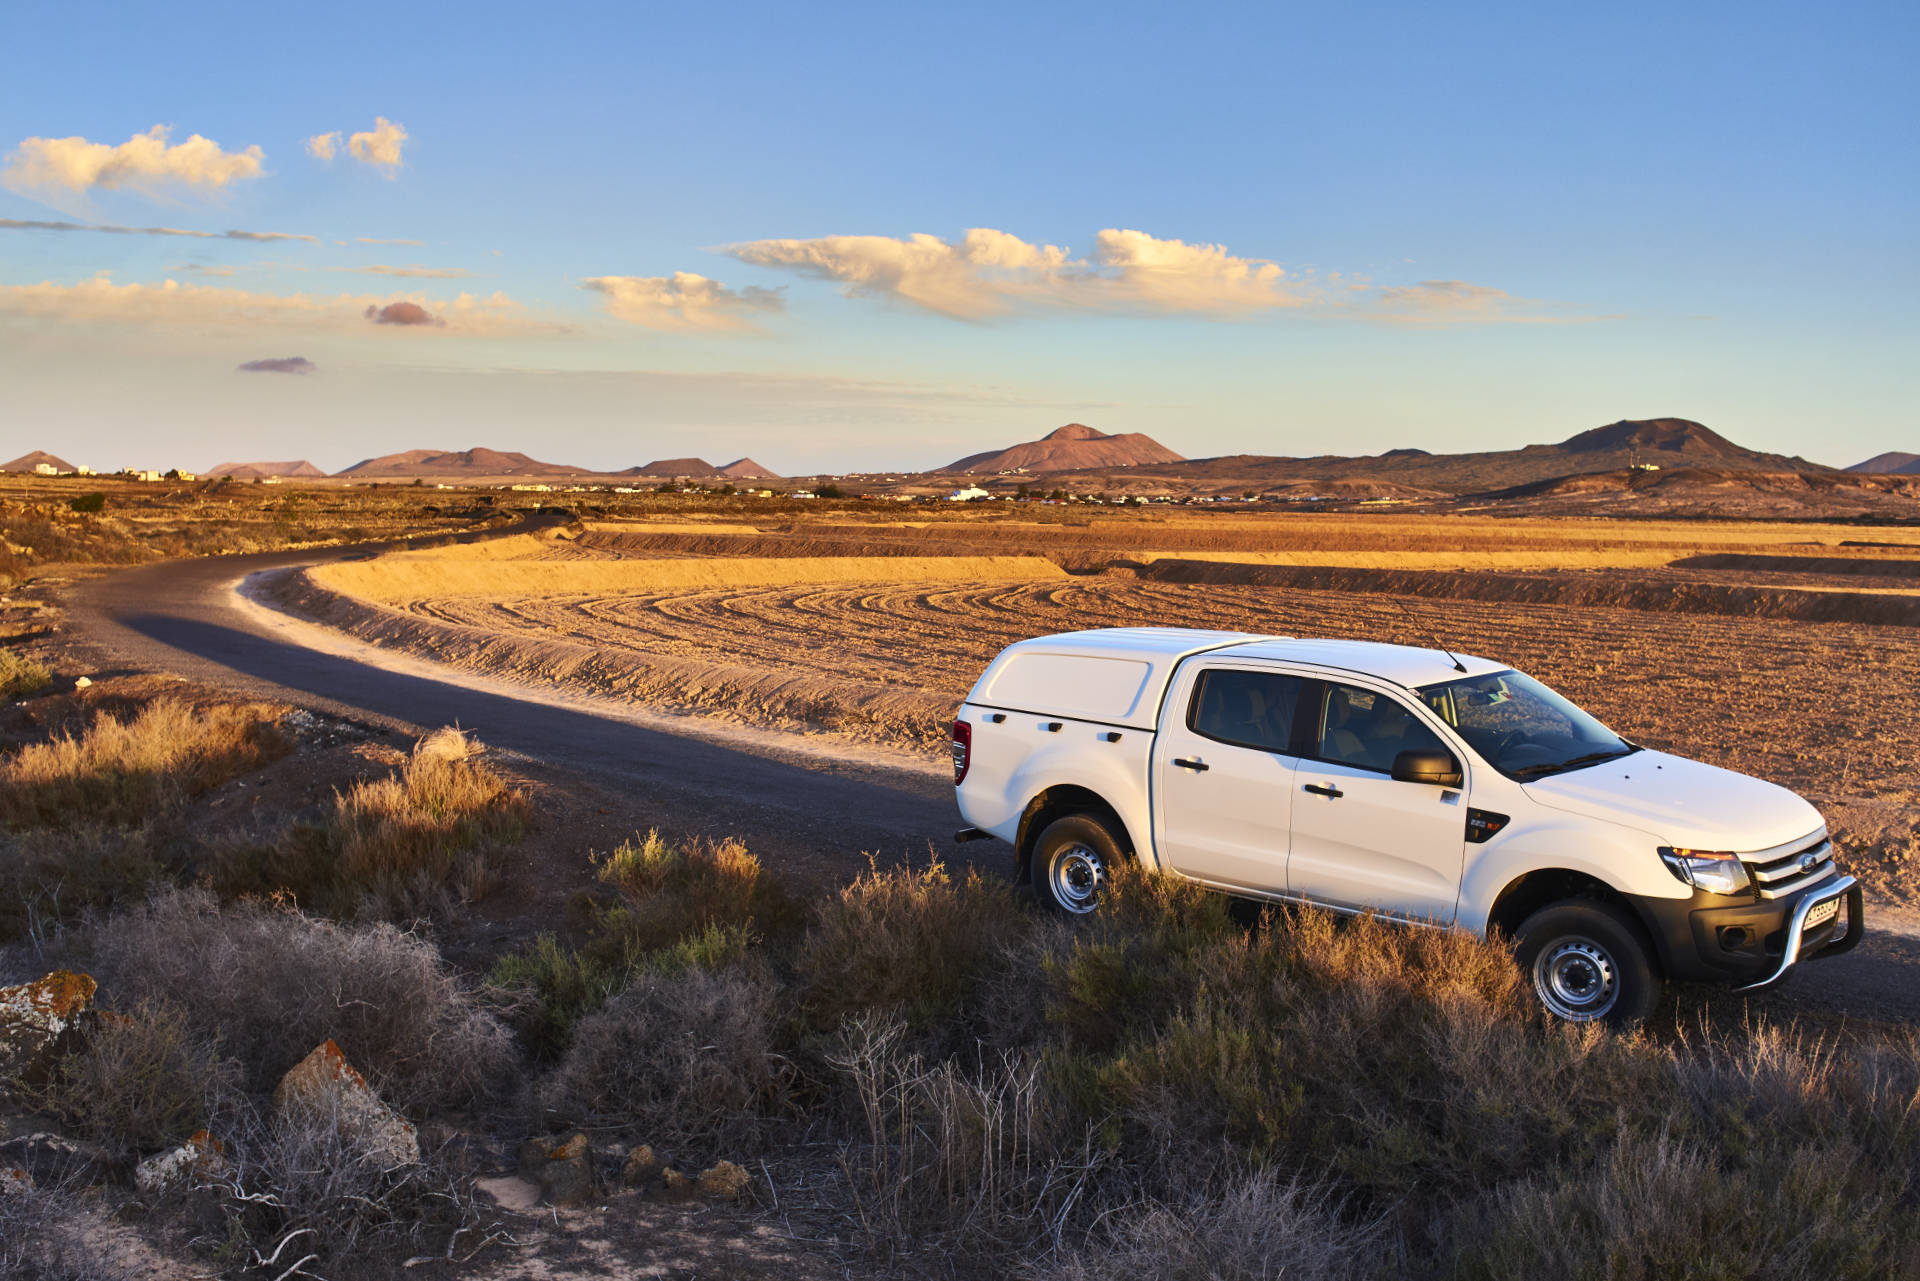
1440	790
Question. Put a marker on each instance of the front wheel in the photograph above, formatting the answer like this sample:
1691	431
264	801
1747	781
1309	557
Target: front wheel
1071	863
1587	963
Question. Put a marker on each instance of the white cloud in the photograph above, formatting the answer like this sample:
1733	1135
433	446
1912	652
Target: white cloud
324	146
145	162
988	271
373	240
174	304
683	302
380	146
1455	302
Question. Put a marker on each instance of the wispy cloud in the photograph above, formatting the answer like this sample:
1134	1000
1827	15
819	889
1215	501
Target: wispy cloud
279	365
371	240
683	302
177	304
22	224
324	146
379	146
988	272
144	162
421	273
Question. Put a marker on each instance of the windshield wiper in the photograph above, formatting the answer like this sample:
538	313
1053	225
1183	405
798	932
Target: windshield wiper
1591	758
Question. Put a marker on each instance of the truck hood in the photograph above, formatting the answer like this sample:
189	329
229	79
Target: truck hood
1683	802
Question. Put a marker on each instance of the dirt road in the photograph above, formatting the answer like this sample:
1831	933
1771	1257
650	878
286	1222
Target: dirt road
787	797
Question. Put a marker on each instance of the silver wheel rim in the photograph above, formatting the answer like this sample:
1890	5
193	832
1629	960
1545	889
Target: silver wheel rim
1075	876
1577	979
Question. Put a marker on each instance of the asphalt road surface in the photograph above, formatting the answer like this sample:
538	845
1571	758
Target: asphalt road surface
183	617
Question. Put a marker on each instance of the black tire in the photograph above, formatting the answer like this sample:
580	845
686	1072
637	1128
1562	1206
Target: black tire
1071	862
1587	962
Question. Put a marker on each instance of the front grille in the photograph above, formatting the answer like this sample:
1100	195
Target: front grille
1782	871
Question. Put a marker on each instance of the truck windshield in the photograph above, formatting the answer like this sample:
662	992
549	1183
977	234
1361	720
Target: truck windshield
1522	728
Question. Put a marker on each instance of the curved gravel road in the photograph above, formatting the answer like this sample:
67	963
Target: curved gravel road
782	794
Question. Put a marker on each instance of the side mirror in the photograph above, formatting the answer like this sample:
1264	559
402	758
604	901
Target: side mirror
1436	768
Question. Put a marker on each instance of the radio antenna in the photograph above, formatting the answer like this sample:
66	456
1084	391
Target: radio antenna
1458	666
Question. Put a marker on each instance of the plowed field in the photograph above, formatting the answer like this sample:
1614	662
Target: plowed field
883	647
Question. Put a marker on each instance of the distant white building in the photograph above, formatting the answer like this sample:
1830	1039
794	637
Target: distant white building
45	469
966	495
83	471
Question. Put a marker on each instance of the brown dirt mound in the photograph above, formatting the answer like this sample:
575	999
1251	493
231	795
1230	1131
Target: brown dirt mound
1587	589
1869	566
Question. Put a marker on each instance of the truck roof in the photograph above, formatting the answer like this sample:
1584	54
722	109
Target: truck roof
1117	675
1403	664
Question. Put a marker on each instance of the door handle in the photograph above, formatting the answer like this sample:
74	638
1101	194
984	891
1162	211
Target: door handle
1187	762
1318	789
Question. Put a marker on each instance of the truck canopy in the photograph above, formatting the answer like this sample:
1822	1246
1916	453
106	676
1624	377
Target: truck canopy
1113	675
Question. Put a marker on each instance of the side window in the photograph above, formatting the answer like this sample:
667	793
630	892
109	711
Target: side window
1248	709
1365	728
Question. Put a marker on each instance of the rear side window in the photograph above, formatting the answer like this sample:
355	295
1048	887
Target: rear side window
1365	728
1247	709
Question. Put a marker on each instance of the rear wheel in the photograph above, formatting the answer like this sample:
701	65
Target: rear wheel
1587	963
1071	863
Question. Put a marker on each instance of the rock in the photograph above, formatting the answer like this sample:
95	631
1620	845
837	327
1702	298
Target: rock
14	1181
642	1168
55	1160
39	1021
84	682
724	1182
563	1171
201	1157
510	1193
676	1185
325	1087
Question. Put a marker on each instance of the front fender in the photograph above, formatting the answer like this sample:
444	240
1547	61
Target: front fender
1618	857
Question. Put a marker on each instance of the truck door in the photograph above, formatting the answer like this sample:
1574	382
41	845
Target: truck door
1360	840
1223	777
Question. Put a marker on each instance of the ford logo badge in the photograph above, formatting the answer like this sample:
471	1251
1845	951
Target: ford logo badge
1808	862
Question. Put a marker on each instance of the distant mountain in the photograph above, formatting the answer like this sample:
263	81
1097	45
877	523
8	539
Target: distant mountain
301	470
1074	447
1661	443
416	463
1892	463
27	462
747	469
668	468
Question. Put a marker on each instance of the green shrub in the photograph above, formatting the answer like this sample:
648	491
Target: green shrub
89	504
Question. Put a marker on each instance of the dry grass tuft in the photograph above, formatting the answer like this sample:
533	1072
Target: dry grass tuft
20	676
123	771
140	1080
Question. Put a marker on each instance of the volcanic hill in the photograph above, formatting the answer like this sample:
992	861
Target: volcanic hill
300	470
27	462
1074	447
417	463
747	469
1891	463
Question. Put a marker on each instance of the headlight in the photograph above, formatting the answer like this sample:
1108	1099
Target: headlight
1708	870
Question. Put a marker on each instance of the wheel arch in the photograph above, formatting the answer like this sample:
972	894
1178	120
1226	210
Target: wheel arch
1533	890
1059	801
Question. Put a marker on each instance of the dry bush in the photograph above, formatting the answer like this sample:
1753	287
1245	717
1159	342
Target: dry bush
687	1056
48	877
140	1080
1662	1208
123	771
299	1192
961	1157
1258	1228
271	983
20	676
46	1236
915	944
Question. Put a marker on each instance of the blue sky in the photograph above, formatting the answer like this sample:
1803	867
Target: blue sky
1359	227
